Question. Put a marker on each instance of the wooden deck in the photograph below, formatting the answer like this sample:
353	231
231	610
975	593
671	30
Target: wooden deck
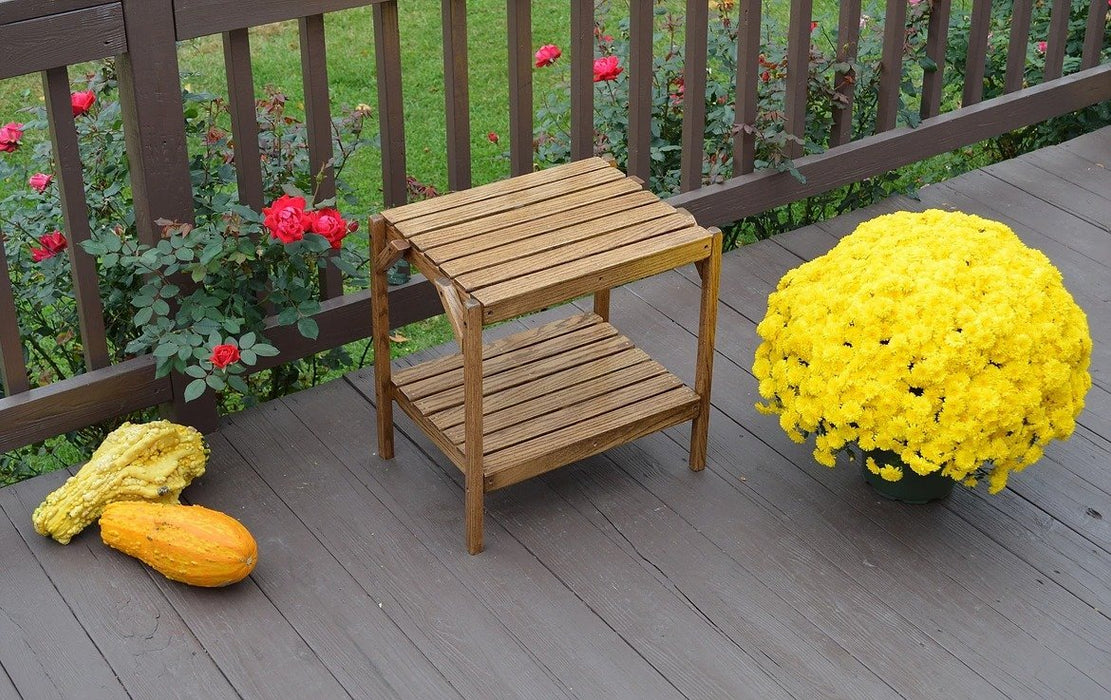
625	575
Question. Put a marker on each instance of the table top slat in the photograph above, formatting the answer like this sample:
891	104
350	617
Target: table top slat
497	405
567	407
594	238
406	212
544	237
555	213
604	270
526	372
442	218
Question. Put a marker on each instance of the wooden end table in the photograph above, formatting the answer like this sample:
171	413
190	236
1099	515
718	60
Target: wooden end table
546	397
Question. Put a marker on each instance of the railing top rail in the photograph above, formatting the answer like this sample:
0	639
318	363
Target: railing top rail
193	18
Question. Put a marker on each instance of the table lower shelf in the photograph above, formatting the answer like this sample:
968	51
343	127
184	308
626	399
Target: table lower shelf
551	396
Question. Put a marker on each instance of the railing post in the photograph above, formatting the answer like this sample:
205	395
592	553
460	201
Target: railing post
154	127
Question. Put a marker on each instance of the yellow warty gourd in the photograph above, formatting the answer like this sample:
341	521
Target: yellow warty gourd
136	462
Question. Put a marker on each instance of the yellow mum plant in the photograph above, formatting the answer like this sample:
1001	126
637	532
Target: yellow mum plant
936	336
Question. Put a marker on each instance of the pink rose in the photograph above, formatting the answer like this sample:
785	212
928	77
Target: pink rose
330	224
547	54
1042	46
224	355
82	102
286	218
606	68
10	134
40	181
52	243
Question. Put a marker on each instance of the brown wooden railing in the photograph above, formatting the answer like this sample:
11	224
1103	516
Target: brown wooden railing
46	36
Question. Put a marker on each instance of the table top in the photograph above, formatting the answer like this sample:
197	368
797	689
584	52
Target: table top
539	239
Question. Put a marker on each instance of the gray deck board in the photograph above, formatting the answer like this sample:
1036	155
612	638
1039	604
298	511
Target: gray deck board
624	575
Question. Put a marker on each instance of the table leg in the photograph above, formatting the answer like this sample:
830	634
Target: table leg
380	329
472	412
602	304
709	270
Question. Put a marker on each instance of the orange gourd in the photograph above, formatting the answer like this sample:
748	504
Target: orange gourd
190	544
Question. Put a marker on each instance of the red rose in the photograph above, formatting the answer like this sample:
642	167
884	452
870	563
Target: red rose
606	69
330	224
286	218
492	136
52	243
547	54
813	26
39	182
82	102
10	134
224	355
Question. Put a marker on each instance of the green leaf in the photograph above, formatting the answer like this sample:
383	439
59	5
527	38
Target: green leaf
247	340
195	371
194	389
308	328
265	350
160	307
238	384
248	357
142	316
165	350
216	382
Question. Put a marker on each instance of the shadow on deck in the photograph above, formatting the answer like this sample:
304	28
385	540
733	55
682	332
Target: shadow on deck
624	575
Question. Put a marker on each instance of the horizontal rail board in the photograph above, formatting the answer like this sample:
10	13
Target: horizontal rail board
757	192
61	40
346	319
193	18
130	386
80	401
19	10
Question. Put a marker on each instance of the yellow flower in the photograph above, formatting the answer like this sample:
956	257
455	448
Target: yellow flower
936	335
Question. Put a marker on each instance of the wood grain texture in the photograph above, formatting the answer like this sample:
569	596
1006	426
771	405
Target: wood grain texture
520	57
937	38
798	74
391	119
380	325
692	138
709	270
582	79
1056	39
457	105
19	10
1093	35
474	433
54	40
641	36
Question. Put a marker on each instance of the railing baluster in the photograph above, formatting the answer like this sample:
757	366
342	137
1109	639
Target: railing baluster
641	29
891	64
748	56
933	82
844	82
1093	34
519	19
456	95
693	139
150	89
387	52
798	73
1021	11
75	213
1055	42
12	368
318	124
582	79
977	53
244	120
